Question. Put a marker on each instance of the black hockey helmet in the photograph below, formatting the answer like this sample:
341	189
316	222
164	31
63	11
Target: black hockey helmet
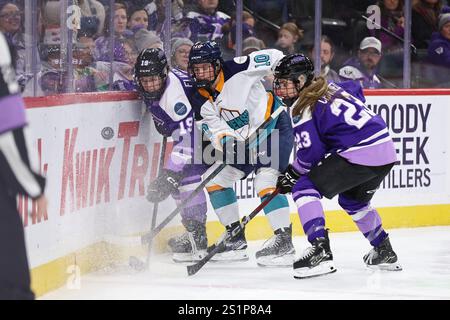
292	67
151	62
205	52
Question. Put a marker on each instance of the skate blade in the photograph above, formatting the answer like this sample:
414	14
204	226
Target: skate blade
188	257
274	261
230	256
385	267
320	270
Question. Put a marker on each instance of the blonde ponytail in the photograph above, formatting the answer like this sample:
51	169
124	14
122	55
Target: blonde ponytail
310	95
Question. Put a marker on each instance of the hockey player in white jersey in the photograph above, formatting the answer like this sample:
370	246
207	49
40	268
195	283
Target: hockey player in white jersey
229	104
165	94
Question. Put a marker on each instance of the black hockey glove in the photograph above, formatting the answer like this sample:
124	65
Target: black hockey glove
161	127
164	185
287	180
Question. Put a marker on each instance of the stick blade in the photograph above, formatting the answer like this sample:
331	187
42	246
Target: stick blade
193	269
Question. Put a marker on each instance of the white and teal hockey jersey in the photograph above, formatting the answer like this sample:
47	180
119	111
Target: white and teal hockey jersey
240	104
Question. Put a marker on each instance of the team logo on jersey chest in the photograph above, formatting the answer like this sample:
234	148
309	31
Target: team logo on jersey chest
180	108
237	121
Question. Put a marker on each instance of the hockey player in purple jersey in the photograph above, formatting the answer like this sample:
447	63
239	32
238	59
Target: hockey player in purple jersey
343	149
165	94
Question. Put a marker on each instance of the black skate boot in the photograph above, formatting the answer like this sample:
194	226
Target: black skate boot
382	257
278	251
235	247
316	260
191	245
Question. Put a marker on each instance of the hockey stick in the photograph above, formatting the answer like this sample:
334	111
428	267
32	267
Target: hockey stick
134	261
155	206
251	142
219	245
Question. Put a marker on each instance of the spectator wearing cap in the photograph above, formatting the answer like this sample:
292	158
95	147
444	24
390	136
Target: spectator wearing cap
180	53
439	49
289	37
206	23
364	67
326	57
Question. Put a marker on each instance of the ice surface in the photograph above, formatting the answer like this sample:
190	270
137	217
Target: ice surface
423	252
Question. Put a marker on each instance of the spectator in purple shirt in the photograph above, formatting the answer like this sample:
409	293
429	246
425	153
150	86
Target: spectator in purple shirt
207	23
439	49
120	28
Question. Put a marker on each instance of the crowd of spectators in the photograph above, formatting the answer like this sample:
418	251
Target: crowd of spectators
349	49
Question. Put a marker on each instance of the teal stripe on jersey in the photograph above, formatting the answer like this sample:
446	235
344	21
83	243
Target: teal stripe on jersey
277	103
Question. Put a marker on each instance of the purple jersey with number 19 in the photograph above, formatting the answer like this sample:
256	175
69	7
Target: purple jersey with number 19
173	117
342	125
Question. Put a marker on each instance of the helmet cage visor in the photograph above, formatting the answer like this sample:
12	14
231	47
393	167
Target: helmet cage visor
152	84
283	89
212	74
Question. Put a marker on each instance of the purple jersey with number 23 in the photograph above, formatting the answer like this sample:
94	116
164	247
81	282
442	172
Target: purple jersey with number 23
342	125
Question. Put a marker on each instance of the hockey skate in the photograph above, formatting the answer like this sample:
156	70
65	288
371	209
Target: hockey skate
316	260
191	245
382	257
235	248
278	251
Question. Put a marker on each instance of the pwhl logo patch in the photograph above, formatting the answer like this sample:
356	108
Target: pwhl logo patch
180	108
